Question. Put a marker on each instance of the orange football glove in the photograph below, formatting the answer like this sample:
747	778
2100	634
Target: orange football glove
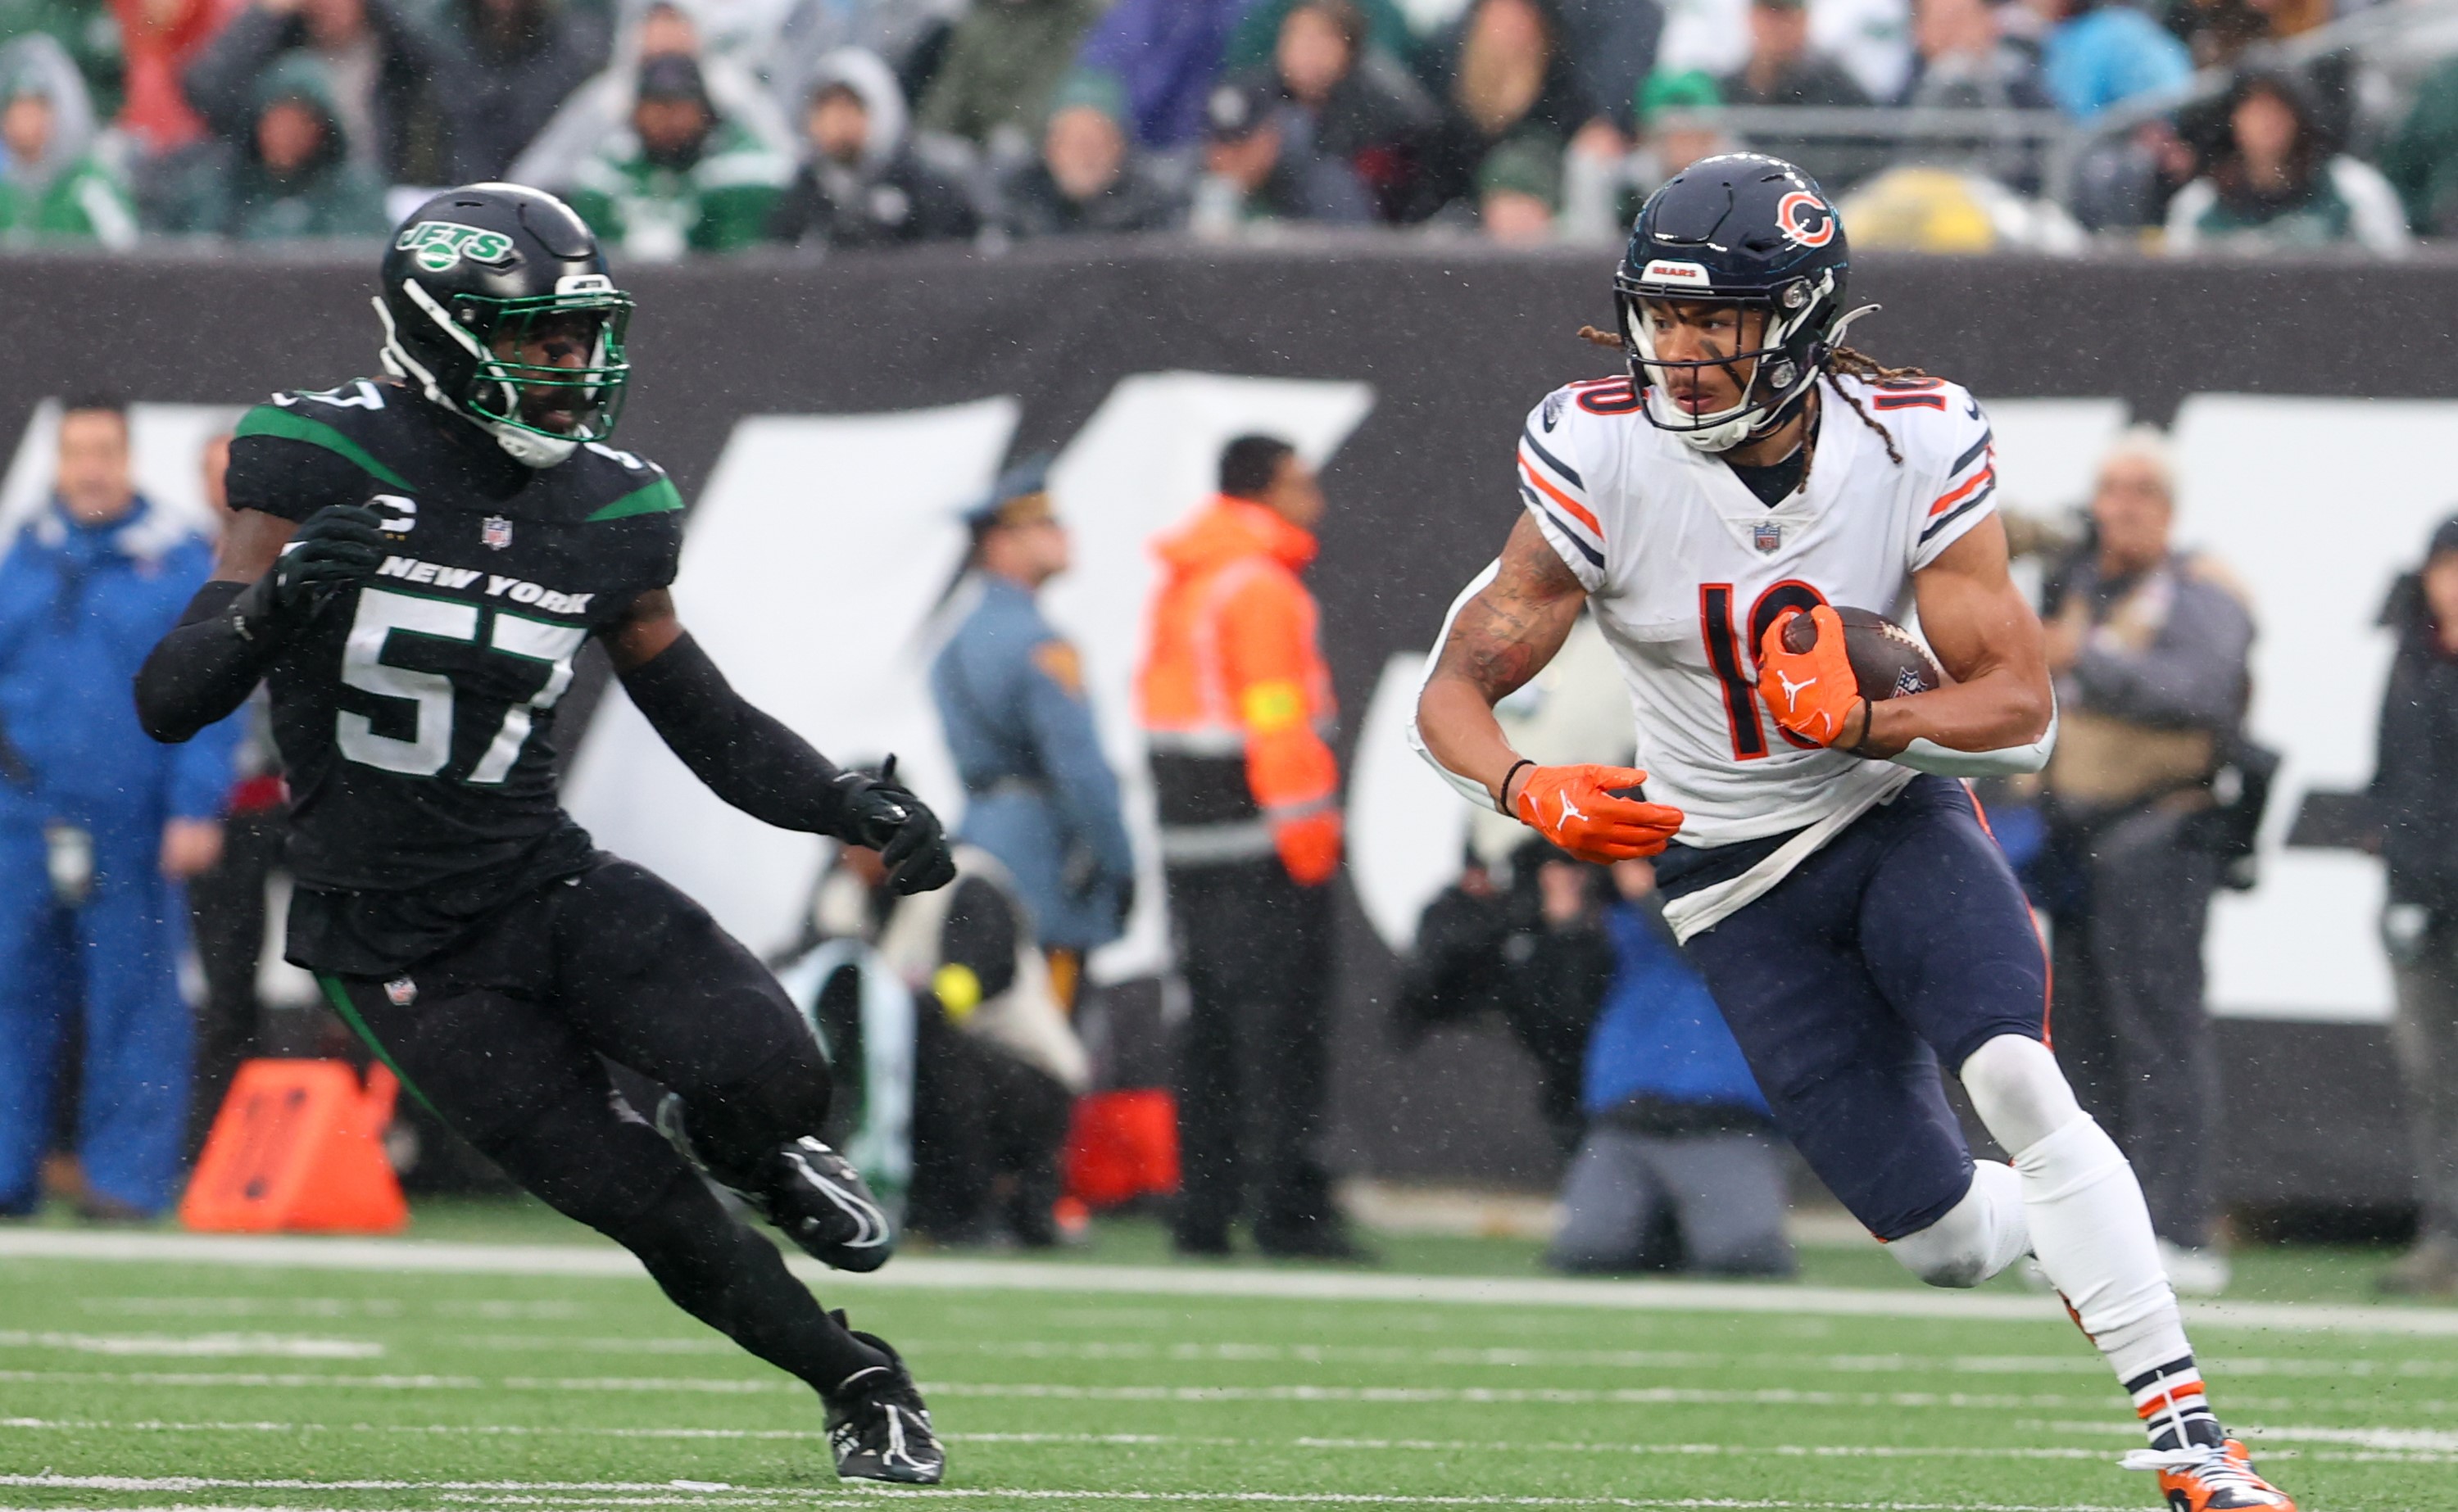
1811	692
1309	847
1575	808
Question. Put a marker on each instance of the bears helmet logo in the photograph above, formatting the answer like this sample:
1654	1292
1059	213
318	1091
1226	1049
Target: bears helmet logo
1805	220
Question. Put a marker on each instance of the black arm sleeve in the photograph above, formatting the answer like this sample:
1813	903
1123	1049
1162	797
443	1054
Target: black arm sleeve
203	670
745	756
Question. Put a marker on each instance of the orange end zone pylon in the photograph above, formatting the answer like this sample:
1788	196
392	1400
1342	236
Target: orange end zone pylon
299	1145
1122	1146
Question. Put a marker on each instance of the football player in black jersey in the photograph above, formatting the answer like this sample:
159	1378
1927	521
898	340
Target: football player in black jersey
413	563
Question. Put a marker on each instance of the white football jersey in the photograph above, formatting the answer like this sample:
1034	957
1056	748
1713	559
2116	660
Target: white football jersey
1686	569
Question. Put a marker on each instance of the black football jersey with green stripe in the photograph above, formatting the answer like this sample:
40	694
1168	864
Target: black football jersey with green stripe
416	714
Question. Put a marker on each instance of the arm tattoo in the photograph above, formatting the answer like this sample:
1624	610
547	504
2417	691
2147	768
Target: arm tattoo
1507	633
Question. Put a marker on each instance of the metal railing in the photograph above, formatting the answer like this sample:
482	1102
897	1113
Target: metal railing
2400	38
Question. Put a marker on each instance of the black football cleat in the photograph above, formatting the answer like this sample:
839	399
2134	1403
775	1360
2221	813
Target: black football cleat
811	1193
878	1427
817	1199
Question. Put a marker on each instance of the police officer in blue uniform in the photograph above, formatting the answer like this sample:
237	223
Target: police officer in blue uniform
1040	795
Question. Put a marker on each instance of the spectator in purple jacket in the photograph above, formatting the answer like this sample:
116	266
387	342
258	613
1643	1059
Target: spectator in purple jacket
1167	55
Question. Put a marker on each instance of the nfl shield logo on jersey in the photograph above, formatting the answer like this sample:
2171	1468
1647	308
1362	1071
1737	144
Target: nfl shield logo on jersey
496	531
402	991
1767	537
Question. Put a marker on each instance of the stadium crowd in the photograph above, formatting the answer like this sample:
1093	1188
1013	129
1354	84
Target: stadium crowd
708	126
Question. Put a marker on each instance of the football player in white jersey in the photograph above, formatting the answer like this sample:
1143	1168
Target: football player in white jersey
1827	868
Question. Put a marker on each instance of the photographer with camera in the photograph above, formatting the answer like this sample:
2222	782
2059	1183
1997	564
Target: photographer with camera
2149	797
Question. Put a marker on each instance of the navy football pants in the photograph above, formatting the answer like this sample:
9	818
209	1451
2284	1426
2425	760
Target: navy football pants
1905	943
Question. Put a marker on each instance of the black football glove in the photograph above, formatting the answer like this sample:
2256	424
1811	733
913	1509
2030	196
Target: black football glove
888	819
336	545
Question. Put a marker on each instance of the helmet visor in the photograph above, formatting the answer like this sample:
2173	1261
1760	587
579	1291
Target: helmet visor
552	364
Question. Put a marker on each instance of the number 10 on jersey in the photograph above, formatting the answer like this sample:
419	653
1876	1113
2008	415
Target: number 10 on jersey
1733	666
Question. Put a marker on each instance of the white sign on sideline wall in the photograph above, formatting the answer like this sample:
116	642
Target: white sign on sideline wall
815	561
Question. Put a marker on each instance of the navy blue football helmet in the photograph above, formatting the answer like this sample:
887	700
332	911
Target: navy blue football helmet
1746	230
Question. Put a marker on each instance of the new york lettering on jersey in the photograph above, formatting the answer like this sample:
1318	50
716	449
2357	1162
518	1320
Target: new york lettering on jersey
416	712
1686	569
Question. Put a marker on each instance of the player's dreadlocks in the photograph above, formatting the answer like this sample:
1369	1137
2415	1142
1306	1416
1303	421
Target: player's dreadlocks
1845	359
1861	365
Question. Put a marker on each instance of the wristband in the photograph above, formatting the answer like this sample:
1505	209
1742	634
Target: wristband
1502	791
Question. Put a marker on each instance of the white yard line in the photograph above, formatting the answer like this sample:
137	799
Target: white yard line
1055	1391
2432	1446
1132	1440
2428	1441
2078	1362
216	1380
508	1490
242	1306
715	1345
1051	1391
927	1272
208	1346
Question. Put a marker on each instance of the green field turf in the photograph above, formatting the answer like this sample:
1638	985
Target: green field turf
189	1381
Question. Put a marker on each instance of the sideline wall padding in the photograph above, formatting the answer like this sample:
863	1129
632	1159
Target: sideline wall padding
1457	343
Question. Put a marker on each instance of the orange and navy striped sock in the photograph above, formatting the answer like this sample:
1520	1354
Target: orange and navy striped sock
2174	1410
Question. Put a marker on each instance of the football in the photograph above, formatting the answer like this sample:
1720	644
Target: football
1887	660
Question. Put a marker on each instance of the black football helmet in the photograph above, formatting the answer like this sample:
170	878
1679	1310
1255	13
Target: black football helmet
476	282
1748	230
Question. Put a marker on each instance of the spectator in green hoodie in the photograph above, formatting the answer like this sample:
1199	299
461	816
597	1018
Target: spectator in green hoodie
52	188
291	178
88	32
2421	159
682	176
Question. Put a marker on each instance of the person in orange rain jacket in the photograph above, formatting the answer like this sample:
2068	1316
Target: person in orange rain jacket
1236	709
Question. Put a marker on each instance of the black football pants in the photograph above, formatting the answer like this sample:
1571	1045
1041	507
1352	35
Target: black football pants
502	1035
983	1120
1254	1056
2425	1034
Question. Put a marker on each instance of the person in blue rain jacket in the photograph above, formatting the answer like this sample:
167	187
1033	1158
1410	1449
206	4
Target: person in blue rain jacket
99	826
1678	1169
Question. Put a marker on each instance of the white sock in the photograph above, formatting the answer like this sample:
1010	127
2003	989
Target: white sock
2093	1236
1977	1238
2088	1226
